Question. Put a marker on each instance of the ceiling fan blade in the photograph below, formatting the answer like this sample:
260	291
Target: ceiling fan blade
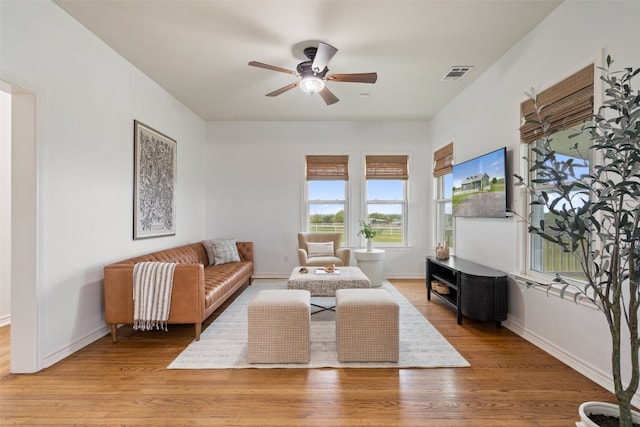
272	68
282	89
354	78
323	55
328	96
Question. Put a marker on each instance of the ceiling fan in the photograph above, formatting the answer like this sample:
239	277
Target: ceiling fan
313	73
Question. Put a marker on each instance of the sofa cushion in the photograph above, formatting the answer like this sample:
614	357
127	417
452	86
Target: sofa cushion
221	279
225	251
319	249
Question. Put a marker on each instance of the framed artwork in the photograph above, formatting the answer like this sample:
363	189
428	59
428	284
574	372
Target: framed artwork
155	161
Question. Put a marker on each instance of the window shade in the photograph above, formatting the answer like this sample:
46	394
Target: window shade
443	160
566	104
387	167
328	168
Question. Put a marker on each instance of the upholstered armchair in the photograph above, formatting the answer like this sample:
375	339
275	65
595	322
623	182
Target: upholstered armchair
320	249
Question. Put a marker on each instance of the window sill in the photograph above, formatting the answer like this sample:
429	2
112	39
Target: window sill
386	247
570	294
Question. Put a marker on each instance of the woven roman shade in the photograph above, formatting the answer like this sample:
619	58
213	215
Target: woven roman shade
387	167
566	104
328	168
443	160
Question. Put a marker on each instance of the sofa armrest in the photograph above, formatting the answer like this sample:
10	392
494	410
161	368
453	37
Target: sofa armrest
344	254
302	256
245	250
187	295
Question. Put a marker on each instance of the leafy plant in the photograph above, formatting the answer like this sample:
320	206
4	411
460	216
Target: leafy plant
596	217
367	230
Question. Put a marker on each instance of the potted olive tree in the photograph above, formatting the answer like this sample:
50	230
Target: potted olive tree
595	216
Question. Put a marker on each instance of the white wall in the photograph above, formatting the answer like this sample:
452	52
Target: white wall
88	97
255	184
486	116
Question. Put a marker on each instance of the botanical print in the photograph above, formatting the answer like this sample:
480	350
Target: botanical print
155	183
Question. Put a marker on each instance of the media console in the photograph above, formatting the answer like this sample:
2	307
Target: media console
472	290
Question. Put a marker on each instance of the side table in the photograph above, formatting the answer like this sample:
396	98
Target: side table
370	262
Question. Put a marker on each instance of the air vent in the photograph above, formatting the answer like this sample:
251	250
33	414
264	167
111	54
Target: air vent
456	73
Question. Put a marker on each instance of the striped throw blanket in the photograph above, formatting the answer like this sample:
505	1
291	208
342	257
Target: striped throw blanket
152	285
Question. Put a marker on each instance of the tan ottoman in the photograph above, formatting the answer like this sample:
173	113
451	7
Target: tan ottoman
279	326
367	326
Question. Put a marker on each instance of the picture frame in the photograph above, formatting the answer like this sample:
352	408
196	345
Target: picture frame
155	178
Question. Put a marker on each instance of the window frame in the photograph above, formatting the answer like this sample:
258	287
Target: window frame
441	200
404	202
443	167
341	175
524	238
309	203
540	253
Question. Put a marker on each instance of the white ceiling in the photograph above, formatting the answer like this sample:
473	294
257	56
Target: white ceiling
199	50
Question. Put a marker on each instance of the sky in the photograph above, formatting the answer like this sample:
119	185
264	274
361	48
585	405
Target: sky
491	163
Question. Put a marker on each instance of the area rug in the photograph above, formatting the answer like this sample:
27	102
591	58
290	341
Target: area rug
223	345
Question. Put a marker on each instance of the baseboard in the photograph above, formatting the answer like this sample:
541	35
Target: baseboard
5	320
272	276
596	375
286	276
68	350
404	277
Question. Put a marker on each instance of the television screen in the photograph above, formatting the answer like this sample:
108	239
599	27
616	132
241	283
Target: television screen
479	186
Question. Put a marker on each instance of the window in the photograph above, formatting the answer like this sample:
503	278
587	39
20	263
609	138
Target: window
569	103
443	163
327	178
444	214
545	256
386	197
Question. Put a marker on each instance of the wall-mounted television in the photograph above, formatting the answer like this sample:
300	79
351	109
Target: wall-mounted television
479	186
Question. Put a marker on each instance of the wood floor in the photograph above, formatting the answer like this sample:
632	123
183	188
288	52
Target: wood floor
510	383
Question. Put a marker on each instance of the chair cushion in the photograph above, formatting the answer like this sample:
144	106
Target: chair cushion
319	249
321	261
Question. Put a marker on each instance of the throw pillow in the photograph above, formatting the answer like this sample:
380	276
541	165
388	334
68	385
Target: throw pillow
319	249
208	245
225	251
211	253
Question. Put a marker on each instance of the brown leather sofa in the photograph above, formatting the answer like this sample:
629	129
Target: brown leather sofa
198	288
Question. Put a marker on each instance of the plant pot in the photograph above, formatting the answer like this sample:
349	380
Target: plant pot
369	245
610	409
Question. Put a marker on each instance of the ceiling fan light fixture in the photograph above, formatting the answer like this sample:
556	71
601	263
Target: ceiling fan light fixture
313	74
311	84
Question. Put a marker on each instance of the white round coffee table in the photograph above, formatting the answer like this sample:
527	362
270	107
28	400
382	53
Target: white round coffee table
370	262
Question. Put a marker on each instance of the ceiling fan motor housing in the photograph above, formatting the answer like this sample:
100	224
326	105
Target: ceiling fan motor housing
305	70
310	52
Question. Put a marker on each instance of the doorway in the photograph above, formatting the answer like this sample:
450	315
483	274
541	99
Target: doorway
21	255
